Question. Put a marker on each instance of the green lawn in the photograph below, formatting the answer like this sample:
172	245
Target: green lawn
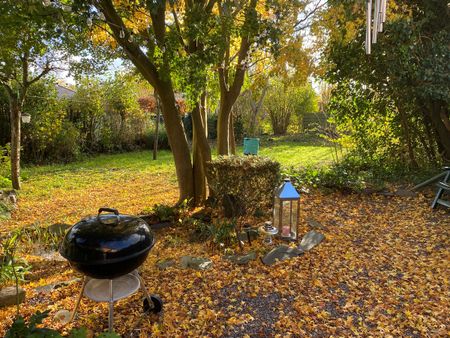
130	182
294	154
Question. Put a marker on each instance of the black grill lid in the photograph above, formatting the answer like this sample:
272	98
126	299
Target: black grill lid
107	238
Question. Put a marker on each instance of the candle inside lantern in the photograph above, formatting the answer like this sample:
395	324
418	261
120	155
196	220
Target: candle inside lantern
286	231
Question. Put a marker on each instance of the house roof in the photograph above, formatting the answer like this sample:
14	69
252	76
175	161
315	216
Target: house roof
64	92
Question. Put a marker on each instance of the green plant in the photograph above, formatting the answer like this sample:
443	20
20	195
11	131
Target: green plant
9	246
164	213
223	233
28	329
9	270
65	147
5	166
37	235
174	241
219	233
163	140
243	184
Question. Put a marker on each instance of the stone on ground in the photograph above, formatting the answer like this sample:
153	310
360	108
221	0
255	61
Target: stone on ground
197	263
315	224
165	263
242	259
280	253
310	240
252	233
57	285
8	296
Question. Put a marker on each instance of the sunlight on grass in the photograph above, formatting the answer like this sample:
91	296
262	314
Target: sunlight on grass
296	155
130	182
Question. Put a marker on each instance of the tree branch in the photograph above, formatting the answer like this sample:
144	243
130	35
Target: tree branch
178	28
297	26
136	55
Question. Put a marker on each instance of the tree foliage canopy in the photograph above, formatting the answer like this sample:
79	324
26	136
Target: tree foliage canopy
408	70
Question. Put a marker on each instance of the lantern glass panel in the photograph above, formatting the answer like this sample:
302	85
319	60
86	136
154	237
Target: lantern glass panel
295	212
286	219
276	213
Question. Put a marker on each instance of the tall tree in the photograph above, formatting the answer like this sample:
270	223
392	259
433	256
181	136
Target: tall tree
31	47
249	27
156	38
173	44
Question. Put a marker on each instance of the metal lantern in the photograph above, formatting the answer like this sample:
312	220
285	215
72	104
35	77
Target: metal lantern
286	211
26	118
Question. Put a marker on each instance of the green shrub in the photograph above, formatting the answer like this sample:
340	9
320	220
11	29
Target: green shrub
164	213
223	233
5	166
243	184
9	270
163	140
12	269
219	233
65	147
335	177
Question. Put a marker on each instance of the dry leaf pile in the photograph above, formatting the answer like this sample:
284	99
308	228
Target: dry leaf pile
382	270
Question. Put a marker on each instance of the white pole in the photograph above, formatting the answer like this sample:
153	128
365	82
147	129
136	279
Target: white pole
376	9
380	15
384	11
368	25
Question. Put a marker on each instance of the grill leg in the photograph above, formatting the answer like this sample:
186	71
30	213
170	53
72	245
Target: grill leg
144	290
74	312
111	307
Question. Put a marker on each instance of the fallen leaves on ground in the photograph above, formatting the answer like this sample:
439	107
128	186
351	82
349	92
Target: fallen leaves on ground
382	270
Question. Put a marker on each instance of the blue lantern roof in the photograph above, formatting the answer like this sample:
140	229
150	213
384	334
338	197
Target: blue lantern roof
287	191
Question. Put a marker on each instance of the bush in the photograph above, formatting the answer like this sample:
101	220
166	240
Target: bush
163	140
65	147
48	114
218	233
5	166
243	185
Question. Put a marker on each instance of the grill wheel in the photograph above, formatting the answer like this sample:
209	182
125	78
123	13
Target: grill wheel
157	304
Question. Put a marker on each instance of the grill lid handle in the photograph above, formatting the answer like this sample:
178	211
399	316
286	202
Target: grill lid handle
115	211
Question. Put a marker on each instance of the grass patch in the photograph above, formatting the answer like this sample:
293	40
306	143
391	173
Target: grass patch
298	155
130	182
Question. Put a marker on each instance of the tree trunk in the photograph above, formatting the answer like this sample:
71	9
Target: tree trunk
431	141
177	141
232	136
438	118
15	113
409	144
158	116
256	108
201	151
223	126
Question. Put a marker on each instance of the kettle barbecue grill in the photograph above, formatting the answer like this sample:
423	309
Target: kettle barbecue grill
107	249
